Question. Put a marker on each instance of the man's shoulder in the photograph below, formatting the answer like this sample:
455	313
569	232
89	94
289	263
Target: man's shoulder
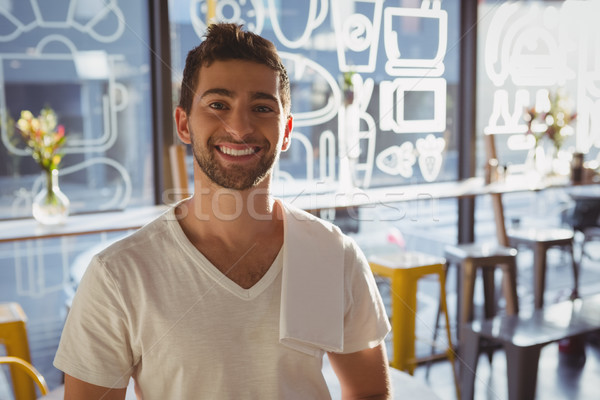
145	240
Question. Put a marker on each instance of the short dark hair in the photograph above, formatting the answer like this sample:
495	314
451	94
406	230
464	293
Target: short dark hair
225	41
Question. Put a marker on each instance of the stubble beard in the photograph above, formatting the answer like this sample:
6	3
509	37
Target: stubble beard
234	177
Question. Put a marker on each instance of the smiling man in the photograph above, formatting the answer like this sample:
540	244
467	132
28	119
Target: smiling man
231	294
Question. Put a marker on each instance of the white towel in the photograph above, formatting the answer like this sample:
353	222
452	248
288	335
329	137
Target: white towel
312	294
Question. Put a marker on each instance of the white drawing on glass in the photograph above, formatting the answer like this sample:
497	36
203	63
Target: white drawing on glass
327	156
353	142
398	160
308	147
400	64
357	35
82	16
430	156
533	47
392	105
247	12
317	12
114	100
31	272
502	120
523	44
300	67
584	17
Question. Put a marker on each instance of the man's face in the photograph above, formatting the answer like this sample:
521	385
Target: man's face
237	125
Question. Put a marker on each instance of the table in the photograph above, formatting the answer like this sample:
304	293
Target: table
355	197
83	224
134	218
523	337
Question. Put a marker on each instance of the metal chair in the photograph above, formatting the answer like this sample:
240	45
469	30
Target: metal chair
486	258
13	334
404	269
29	369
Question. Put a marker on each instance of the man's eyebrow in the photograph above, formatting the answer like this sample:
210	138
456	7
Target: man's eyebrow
229	93
264	96
219	91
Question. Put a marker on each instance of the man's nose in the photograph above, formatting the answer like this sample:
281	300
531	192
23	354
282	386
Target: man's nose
239	123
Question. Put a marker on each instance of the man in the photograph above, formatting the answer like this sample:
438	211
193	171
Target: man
231	294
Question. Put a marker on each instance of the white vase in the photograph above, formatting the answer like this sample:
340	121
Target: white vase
541	158
50	205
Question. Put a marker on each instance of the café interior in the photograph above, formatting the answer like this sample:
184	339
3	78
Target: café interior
457	142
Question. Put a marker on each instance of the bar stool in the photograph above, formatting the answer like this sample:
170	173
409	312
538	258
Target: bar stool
471	257
540	240
13	335
404	269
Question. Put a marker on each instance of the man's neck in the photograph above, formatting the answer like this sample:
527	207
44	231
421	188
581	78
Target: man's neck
231	216
242	244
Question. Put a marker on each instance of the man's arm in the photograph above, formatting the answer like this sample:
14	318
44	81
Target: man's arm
364	374
76	389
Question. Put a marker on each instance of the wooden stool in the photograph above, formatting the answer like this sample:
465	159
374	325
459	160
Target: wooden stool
471	257
540	240
13	335
404	269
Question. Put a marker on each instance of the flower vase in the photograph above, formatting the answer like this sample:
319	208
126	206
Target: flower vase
551	154
535	161
50	205
541	158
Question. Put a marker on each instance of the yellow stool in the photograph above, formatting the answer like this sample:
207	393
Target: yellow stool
13	335
404	269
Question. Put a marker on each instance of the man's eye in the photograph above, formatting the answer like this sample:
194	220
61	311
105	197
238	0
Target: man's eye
217	106
264	109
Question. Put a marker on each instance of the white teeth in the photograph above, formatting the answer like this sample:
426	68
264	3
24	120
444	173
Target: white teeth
237	153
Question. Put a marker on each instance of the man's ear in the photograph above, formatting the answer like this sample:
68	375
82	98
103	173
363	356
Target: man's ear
181	122
287	135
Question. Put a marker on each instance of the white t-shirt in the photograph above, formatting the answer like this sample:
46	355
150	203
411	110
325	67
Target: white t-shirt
152	307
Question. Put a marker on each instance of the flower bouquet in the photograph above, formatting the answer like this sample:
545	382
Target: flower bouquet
45	139
551	122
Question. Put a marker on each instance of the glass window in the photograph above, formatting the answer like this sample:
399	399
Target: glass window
89	61
528	50
374	86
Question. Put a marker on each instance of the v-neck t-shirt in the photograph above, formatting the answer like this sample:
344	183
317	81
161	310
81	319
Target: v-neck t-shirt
152	307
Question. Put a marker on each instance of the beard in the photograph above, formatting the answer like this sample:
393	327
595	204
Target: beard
234	177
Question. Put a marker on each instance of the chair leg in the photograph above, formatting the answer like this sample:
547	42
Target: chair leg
436	326
449	347
469	355
575	266
489	289
509	287
522	367
468	275
437	316
539	271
